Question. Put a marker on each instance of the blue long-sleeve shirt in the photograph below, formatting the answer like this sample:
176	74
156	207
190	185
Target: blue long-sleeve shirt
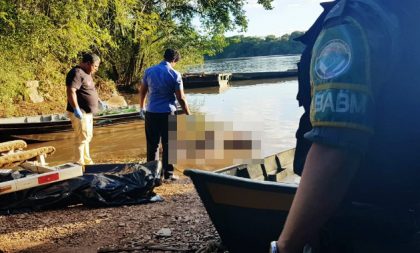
162	82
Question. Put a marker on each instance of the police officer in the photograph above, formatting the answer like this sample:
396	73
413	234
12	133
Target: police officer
366	132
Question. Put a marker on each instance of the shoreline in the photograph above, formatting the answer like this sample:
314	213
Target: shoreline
133	228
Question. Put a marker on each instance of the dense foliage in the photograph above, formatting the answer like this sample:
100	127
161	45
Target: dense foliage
240	46
42	39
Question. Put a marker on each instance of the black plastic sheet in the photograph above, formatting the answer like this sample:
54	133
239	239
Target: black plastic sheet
102	185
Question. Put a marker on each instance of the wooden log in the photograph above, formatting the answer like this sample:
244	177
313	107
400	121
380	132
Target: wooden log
12	145
14	159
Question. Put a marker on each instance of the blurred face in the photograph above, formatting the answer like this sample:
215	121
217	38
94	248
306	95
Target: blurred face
93	67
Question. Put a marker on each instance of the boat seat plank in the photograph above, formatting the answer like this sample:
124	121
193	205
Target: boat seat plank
286	158
255	171
241	171
272	167
287	177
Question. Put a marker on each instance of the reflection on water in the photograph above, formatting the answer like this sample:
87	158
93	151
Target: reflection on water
247	64
271	104
208	90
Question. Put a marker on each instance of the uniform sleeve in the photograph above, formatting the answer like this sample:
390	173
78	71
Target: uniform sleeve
73	79
342	101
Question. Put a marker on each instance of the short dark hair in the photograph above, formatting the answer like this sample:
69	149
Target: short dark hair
90	58
172	55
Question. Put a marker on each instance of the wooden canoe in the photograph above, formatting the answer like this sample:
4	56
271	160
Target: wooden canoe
10	127
248	204
264	75
200	80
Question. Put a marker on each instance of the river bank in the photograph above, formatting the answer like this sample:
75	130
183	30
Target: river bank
178	224
53	101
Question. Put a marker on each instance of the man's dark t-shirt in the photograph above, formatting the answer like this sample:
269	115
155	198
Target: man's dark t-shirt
87	97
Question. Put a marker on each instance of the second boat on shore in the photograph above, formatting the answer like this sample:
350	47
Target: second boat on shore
52	123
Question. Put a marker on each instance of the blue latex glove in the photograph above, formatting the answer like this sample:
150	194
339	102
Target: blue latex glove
103	105
78	113
142	113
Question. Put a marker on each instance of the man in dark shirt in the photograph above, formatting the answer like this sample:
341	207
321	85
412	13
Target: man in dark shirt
82	103
364	113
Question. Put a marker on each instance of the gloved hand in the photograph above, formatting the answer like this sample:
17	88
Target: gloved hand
103	105
142	113
78	113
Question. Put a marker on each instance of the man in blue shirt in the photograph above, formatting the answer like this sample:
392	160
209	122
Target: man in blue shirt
365	138
162	84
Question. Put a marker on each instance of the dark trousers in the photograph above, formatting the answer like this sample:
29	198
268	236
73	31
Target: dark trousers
156	128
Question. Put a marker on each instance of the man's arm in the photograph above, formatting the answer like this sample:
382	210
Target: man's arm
72	97
143	91
180	96
325	180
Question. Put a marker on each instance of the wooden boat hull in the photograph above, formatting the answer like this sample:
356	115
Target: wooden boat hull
200	80
53	123
247	214
263	75
246	203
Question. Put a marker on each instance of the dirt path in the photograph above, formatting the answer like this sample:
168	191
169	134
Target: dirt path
118	229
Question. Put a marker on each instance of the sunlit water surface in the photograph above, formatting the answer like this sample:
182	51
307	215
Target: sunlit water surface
248	64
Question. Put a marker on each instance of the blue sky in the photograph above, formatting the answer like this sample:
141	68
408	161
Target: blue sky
286	17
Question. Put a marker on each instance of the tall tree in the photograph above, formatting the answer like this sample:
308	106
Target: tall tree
241	46
163	23
41	39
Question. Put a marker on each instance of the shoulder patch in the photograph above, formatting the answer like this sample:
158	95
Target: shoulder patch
333	60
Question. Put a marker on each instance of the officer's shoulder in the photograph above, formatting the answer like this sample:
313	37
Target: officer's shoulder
336	11
350	7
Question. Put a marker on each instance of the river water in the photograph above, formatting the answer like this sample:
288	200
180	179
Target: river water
248	64
266	107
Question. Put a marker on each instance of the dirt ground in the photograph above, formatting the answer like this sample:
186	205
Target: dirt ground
136	228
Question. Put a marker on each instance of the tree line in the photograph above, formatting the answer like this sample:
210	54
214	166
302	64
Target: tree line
242	46
42	39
